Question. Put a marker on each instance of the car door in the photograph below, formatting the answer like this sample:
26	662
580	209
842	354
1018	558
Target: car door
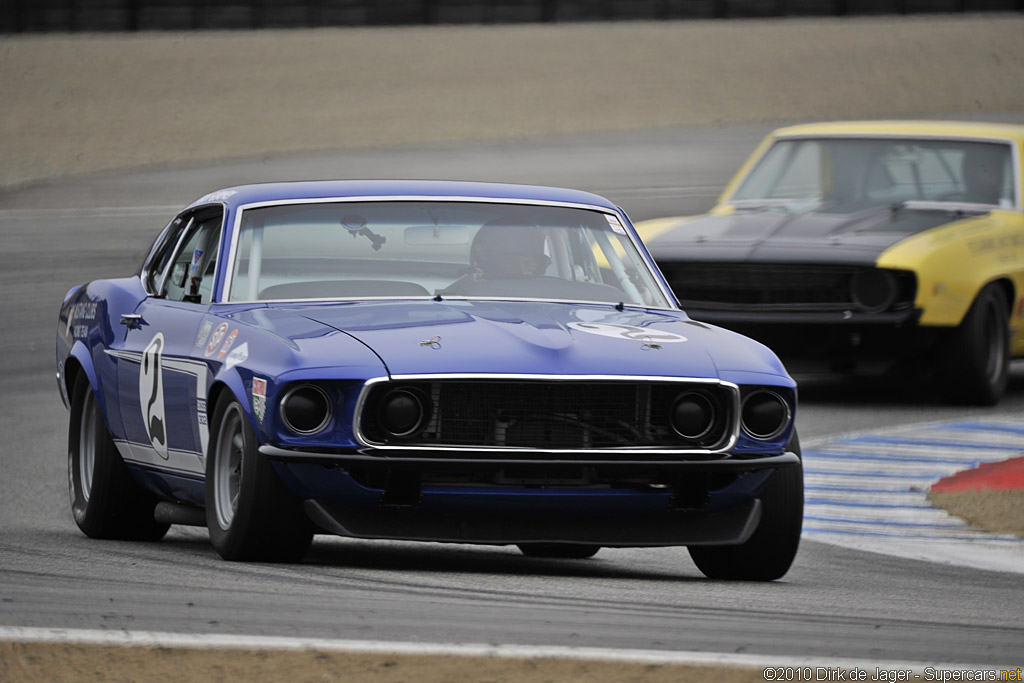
163	368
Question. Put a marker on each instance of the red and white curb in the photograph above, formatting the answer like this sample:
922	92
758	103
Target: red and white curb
868	491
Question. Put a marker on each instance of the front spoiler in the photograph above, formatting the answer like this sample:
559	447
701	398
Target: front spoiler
492	525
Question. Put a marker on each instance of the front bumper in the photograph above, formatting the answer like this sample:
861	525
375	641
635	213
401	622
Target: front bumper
418	497
810	316
830	335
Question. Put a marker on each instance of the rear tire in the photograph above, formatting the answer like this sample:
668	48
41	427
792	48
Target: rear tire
769	552
974	364
564	551
251	514
105	501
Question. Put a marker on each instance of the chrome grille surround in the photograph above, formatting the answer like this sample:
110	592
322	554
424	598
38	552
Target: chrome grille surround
589	428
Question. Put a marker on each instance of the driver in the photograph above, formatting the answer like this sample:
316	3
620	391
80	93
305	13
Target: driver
983	173
504	249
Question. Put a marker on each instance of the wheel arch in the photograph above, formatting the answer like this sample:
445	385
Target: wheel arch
72	369
217	390
231	385
954	262
79	363
1005	284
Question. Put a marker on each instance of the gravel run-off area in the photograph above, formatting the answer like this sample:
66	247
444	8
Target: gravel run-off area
78	103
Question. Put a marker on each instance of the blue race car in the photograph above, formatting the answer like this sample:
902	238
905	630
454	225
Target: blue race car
435	361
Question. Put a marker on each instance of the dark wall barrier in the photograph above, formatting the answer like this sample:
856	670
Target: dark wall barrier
19	16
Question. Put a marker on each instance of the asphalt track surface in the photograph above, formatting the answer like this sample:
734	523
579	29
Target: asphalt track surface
836	602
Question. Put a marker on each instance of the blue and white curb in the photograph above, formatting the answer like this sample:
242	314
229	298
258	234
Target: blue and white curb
867	491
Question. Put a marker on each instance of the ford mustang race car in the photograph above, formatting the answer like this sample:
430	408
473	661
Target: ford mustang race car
867	244
437	361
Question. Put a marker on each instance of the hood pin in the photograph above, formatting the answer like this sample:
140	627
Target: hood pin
434	342
648	344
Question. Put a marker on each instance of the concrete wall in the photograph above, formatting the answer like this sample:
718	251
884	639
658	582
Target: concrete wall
132	15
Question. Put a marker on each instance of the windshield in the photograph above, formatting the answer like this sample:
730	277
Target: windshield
404	249
847	174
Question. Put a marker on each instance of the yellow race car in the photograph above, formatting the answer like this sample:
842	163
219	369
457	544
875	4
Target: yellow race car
867	244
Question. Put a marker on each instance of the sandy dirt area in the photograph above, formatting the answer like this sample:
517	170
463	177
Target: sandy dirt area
40	663
998	511
80	103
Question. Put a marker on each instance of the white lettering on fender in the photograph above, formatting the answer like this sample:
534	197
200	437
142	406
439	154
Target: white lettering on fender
151	394
239	355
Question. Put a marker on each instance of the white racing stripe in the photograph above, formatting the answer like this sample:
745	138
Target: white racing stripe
224	641
868	491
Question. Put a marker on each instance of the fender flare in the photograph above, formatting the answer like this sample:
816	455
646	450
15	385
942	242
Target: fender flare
79	353
231	381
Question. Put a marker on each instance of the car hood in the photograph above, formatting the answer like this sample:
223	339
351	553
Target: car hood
773	235
456	336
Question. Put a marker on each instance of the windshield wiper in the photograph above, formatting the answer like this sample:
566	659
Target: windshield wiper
956	208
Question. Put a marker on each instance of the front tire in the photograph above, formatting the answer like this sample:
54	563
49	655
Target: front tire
975	361
251	514
105	501
769	552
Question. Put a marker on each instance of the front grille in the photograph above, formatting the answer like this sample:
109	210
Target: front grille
775	286
563	414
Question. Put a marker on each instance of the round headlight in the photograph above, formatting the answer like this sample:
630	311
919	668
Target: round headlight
873	289
306	409
403	412
765	415
693	415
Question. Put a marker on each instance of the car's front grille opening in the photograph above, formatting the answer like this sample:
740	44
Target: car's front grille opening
777	286
563	415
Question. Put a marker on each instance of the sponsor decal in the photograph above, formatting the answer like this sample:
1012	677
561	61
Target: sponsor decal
616	226
218	196
259	397
227	344
154	369
194	268
216	338
239	355
983	244
151	393
85	312
204	333
630	332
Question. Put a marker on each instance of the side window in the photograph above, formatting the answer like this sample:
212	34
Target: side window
153	270
187	271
